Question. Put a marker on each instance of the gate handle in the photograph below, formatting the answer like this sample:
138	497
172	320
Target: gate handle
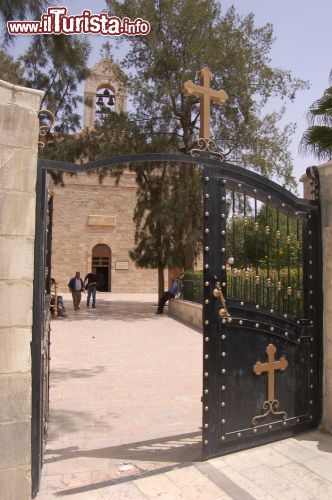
217	292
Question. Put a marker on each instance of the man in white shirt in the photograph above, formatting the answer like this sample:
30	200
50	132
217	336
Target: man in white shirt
75	286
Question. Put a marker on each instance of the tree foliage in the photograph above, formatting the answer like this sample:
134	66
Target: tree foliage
11	70
317	139
19	9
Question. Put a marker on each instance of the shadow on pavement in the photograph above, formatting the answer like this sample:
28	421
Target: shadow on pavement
106	310
58	375
182	448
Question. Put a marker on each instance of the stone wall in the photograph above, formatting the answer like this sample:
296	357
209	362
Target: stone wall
19	128
187	312
87	213
325	174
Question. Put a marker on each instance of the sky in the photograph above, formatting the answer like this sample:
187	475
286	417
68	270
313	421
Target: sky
303	45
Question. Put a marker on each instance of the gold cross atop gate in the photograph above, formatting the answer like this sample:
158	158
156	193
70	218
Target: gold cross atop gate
206	95
270	367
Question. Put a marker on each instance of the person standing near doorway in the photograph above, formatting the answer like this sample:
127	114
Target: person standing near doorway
75	286
91	286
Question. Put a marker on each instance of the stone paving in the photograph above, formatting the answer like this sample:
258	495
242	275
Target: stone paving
126	417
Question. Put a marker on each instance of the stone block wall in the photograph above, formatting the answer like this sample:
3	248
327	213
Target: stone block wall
19	128
87	213
325	174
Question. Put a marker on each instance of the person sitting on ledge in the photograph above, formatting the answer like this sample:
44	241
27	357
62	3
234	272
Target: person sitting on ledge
170	294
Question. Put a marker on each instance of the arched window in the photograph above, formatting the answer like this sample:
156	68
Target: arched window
105	101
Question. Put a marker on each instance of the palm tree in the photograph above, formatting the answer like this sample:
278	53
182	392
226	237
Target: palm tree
20	10
317	139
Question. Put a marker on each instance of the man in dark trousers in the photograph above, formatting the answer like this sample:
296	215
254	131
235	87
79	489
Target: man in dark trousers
91	286
170	294
75	285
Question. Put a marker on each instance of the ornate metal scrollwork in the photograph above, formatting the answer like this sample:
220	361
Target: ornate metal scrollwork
206	146
313	174
43	128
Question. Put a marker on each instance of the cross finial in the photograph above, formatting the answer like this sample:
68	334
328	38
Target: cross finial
270	368
206	95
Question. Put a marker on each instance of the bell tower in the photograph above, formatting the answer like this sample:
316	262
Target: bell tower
104	91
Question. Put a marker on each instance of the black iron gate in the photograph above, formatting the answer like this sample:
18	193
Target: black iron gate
261	311
261	306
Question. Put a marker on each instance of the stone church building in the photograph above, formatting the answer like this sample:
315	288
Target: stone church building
93	228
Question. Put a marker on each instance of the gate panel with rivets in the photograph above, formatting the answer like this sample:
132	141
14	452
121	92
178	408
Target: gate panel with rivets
261	311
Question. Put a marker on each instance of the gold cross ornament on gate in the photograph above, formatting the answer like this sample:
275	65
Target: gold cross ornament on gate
206	95
270	368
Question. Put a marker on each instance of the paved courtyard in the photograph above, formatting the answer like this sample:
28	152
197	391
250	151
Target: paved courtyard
126	416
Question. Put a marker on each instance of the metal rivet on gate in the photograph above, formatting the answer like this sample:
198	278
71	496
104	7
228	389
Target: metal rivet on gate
311	322
255	190
207	195
310	261
207	179
257	306
311	339
238	434
206	249
223	403
223	250
270	426
239	185
206	391
223	198
299	341
311	355
206	426
310	231
223	371
310	247
311	292
223	216
286	334
206	266
255	430
311	386
206	322
229	320
224	181
297	420
206	301
311	370
309	216
311	417
311	402
206	441
206	214
206	356
257	325
222	438
223	232
206	283
223	421
223	388
207	231
271	311
223	337
311	306
207	339
241	303
298	322
240	322
284	423
223	354
206	408
223	284
269	197
285	315
223	268
223	321
296	213
272	328
206	374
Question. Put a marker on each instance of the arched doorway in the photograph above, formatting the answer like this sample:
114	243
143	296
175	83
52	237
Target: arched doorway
101	266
